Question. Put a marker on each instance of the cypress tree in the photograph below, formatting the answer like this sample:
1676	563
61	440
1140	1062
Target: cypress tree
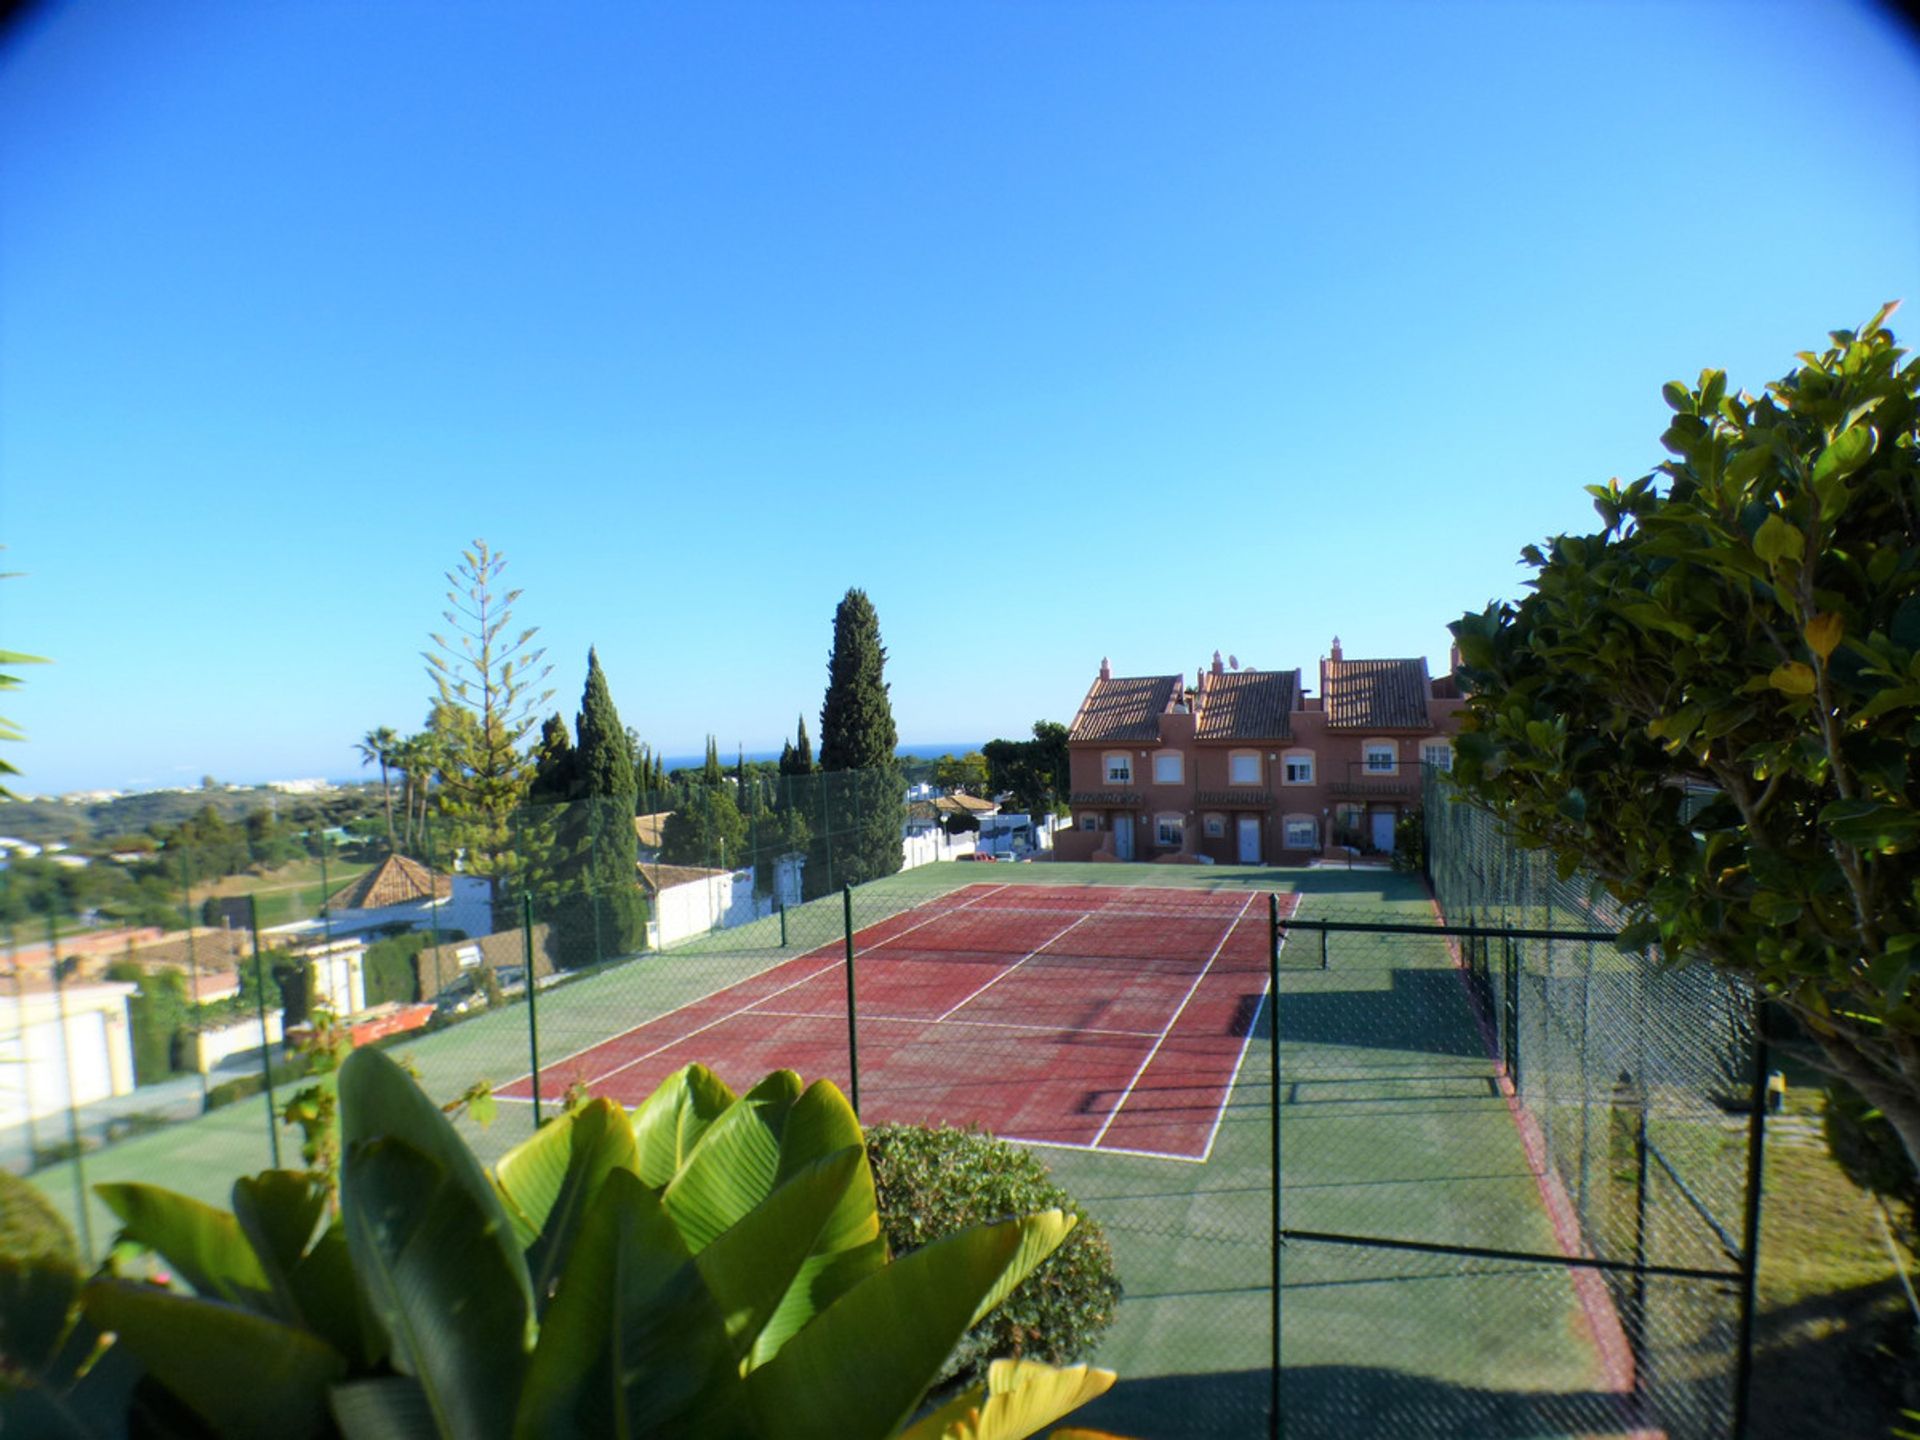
606	914
861	839
710	772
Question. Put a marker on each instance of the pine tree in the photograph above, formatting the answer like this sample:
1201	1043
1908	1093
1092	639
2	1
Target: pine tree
861	837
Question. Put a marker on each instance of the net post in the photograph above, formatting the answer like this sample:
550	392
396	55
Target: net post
1750	1236
853	1028
1637	1314
1323	948
73	1105
266	1045
1273	1128
533	1004
783	921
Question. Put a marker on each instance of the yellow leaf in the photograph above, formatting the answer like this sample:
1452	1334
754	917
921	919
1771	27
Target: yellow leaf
1793	678
1823	633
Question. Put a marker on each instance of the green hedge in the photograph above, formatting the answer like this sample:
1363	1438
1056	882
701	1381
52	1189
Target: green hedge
245	1087
157	1017
391	970
932	1182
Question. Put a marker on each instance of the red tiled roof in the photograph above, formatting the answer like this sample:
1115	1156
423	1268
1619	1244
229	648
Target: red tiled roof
1247	705
1376	694
655	878
396	880
1125	708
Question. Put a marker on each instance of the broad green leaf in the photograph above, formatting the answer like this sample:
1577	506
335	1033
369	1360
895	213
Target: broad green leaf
391	1407
1679	399
859	1369
1847	453
277	1210
1776	540
751	1267
1019	1398
245	1374
1040	1236
36	1309
330	1301
1793	678
454	1308
1871	825
205	1246
377	1100
548	1180
733	1166
84	1392
669	1122
633	1343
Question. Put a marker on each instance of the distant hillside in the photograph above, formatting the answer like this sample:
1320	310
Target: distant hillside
39	821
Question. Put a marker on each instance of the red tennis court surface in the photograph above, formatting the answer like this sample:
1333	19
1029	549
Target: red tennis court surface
1097	1017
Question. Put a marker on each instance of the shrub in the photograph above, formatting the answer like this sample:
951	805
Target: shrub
156	1016
245	1087
1865	1146
1410	842
933	1182
30	1228
391	968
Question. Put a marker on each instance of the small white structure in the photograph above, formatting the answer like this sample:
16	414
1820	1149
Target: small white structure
212	1046
688	900
42	1070
336	975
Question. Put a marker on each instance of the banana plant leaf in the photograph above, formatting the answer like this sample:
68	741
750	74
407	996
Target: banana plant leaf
205	1246
1019	1398
669	1122
548	1180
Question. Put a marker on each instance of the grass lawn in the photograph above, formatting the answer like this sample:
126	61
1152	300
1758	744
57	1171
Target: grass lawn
294	891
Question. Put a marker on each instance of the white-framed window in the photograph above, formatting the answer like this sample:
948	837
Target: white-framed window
1169	767
1303	832
468	956
1437	753
1089	822
1296	767
1119	768
1381	757
1215	826
1169	831
1243	767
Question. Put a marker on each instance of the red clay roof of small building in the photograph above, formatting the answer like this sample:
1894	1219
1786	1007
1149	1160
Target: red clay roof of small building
962	803
1376	694
655	878
1247	705
396	880
1125	707
648	829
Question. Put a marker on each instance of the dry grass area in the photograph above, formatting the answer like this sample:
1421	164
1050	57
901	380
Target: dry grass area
296	875
1837	1353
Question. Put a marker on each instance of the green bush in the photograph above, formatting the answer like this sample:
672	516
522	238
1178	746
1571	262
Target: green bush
157	1018
933	1182
245	1087
391	969
1410	842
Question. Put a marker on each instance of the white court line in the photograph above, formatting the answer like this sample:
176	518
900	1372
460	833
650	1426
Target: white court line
1009	970
740	1010
736	984
1192	990
841	1015
1268	1000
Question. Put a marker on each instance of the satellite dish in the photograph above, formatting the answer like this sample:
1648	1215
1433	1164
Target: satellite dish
1233	662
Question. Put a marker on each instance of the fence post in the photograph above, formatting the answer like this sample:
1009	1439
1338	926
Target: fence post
73	1104
1323	949
26	1054
533	1004
1513	1010
266	1045
853	1011
1273	1125
1637	1313
193	970
783	921
1750	1237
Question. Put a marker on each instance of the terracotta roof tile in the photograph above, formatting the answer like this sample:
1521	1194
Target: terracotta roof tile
647	829
655	878
1247	705
396	880
1125	708
1376	694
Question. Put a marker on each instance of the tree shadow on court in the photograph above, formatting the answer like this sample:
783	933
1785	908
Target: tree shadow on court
1339	1402
1423	1012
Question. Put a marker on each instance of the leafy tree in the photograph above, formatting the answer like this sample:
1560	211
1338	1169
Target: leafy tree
707	829
861	839
1033	771
376	747
484	676
966	772
1713	704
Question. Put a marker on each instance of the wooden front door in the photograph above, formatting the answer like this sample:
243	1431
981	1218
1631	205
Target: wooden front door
1123	835
1249	839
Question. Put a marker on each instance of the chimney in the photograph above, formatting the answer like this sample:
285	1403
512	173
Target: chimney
1219	665
1335	657
1106	668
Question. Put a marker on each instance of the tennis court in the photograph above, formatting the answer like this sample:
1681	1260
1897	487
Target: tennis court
1092	1017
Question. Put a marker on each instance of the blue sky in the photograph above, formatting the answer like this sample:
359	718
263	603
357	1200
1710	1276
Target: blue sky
1063	329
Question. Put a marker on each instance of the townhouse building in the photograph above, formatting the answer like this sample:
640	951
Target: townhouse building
1251	767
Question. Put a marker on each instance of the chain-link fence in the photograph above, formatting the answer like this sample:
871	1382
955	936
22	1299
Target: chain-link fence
1513	1190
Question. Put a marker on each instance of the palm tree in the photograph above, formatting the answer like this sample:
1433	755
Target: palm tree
380	745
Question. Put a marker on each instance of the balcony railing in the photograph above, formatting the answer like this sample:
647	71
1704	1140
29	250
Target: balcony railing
1242	798
1124	799
1382	788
